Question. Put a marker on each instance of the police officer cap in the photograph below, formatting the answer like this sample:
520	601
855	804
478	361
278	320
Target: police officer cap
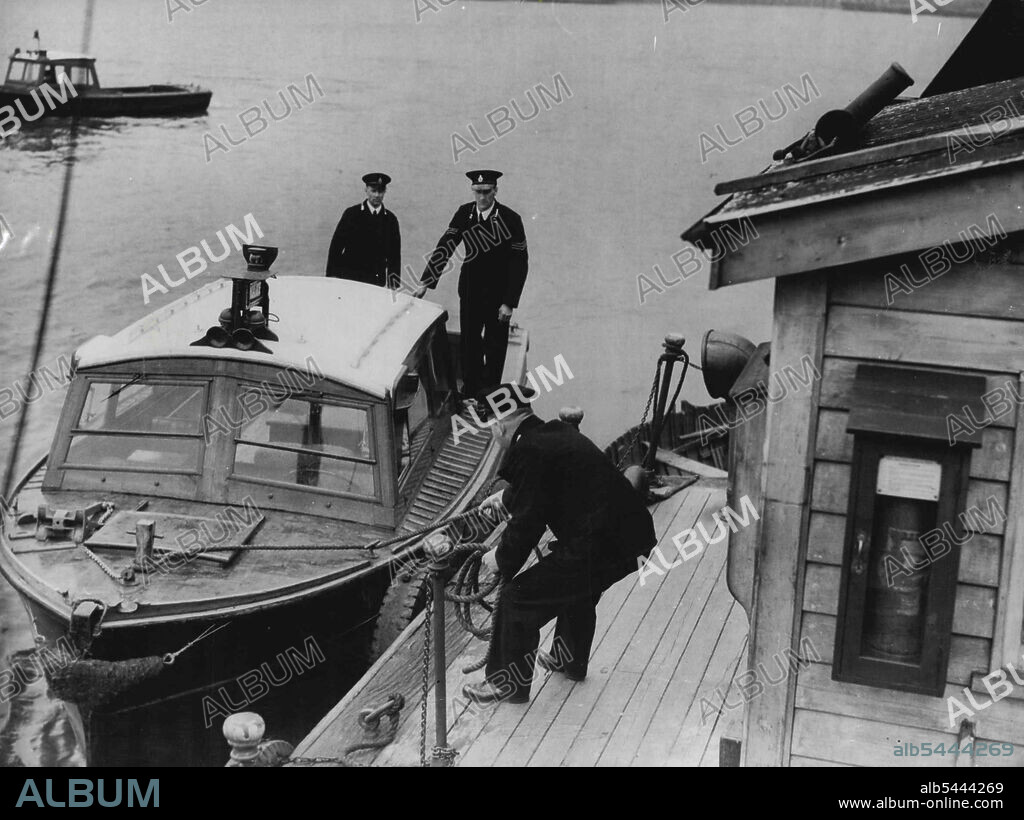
377	179
498	397
483	177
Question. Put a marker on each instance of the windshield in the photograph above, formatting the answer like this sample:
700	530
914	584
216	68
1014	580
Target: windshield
308	443
22	71
140	426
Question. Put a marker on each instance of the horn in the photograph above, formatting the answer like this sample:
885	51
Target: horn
243	339
217	337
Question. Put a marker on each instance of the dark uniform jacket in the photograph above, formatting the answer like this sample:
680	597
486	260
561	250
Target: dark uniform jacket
495	264
365	247
560	479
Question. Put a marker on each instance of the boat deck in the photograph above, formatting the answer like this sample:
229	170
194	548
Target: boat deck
664	652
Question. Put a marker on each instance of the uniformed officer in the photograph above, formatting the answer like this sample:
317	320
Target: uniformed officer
491	281
559	479
367	244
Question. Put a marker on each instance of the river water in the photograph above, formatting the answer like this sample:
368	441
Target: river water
605	179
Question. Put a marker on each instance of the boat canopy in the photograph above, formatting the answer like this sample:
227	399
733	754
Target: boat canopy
45	56
34	67
357	334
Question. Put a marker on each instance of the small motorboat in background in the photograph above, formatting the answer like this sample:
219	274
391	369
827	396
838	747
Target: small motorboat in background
43	83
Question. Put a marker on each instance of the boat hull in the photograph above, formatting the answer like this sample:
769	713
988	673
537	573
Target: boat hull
290	662
141	101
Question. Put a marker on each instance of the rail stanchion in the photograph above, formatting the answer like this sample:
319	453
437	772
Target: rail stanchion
439	550
674	352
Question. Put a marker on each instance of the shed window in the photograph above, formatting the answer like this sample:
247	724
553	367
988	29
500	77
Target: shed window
908	482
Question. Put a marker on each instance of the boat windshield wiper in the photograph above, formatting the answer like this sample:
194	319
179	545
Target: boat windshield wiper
125	386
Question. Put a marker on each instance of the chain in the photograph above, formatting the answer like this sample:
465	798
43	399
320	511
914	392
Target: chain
639	428
426	673
368	547
119	578
445	753
103	565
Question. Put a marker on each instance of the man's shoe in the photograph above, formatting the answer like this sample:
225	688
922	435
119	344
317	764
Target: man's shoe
487	692
547	661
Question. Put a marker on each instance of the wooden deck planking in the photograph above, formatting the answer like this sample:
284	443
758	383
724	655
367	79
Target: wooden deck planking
669	595
727	723
699	724
569	721
657	650
465	725
531	726
684	673
630	732
655	693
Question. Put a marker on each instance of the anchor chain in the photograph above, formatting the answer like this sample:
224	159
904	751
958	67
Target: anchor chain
643	419
103	565
427	610
122	577
369	719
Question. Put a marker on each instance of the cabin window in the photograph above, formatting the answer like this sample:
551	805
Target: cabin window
139	426
412	411
310	444
21	71
80	75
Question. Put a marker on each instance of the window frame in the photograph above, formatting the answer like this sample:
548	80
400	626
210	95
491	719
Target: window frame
851	664
206	383
241	385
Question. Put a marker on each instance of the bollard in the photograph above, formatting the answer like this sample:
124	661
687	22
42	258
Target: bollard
145	532
243	732
439	550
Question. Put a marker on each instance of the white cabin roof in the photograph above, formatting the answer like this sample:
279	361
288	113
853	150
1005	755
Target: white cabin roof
359	335
51	56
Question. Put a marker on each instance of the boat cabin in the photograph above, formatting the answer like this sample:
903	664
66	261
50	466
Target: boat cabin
29	69
884	579
328	414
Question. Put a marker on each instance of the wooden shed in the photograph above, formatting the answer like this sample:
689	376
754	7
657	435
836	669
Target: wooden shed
880	436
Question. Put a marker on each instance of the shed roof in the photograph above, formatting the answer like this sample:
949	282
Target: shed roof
908	149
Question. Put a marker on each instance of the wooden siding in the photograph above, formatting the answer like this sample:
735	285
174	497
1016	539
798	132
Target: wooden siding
966	321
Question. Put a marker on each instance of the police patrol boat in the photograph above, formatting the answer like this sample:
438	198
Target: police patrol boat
224	504
40	83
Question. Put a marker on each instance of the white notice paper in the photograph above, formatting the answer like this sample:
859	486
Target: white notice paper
909	478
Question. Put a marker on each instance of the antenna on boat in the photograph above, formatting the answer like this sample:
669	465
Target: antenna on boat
245	322
35	36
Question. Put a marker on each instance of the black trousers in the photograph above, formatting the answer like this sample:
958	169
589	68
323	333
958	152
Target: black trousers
482	359
544	591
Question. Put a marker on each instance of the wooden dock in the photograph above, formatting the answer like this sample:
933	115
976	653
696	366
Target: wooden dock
665	654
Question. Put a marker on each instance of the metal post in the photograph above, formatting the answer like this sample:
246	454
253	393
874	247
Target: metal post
439	549
673	345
